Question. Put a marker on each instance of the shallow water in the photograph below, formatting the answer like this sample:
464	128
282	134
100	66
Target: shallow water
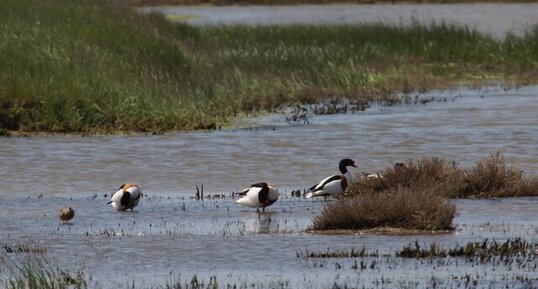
171	233
496	19
170	236
468	127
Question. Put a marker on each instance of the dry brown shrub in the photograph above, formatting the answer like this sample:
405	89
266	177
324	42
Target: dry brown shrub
396	207
413	196
490	177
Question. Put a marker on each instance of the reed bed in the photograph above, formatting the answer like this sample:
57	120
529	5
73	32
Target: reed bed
101	67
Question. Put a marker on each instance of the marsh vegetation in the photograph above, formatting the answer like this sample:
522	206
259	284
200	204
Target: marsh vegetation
414	195
489	177
485	250
298	2
397	208
36	272
98	66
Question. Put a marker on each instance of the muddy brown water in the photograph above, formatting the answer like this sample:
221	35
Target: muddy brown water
495	19
171	233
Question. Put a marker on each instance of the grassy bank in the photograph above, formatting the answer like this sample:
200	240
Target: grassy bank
97	66
299	2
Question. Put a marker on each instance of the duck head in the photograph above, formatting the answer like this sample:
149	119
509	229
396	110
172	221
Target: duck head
346	163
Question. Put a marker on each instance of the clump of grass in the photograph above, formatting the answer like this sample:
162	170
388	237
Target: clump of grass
338	254
37	273
23	248
484	250
199	283
395	207
490	177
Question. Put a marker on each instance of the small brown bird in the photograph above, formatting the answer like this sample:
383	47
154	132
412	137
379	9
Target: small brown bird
66	214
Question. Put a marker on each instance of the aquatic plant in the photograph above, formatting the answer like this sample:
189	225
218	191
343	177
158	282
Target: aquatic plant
36	272
483	250
198	283
396	207
23	248
338	253
490	177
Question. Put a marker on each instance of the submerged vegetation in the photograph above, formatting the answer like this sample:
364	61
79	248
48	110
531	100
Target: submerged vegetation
98	66
485	250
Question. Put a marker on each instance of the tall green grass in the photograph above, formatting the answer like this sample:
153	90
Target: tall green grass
98	66
84	65
298	2
35	272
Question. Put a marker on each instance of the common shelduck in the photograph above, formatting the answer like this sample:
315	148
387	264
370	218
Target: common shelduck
127	197
258	195
66	214
334	185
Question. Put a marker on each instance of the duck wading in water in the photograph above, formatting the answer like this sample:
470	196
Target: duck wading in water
127	197
258	195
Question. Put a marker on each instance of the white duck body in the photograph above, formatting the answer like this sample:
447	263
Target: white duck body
259	195
127	197
334	185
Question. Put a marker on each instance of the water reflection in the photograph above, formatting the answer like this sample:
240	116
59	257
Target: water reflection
261	224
